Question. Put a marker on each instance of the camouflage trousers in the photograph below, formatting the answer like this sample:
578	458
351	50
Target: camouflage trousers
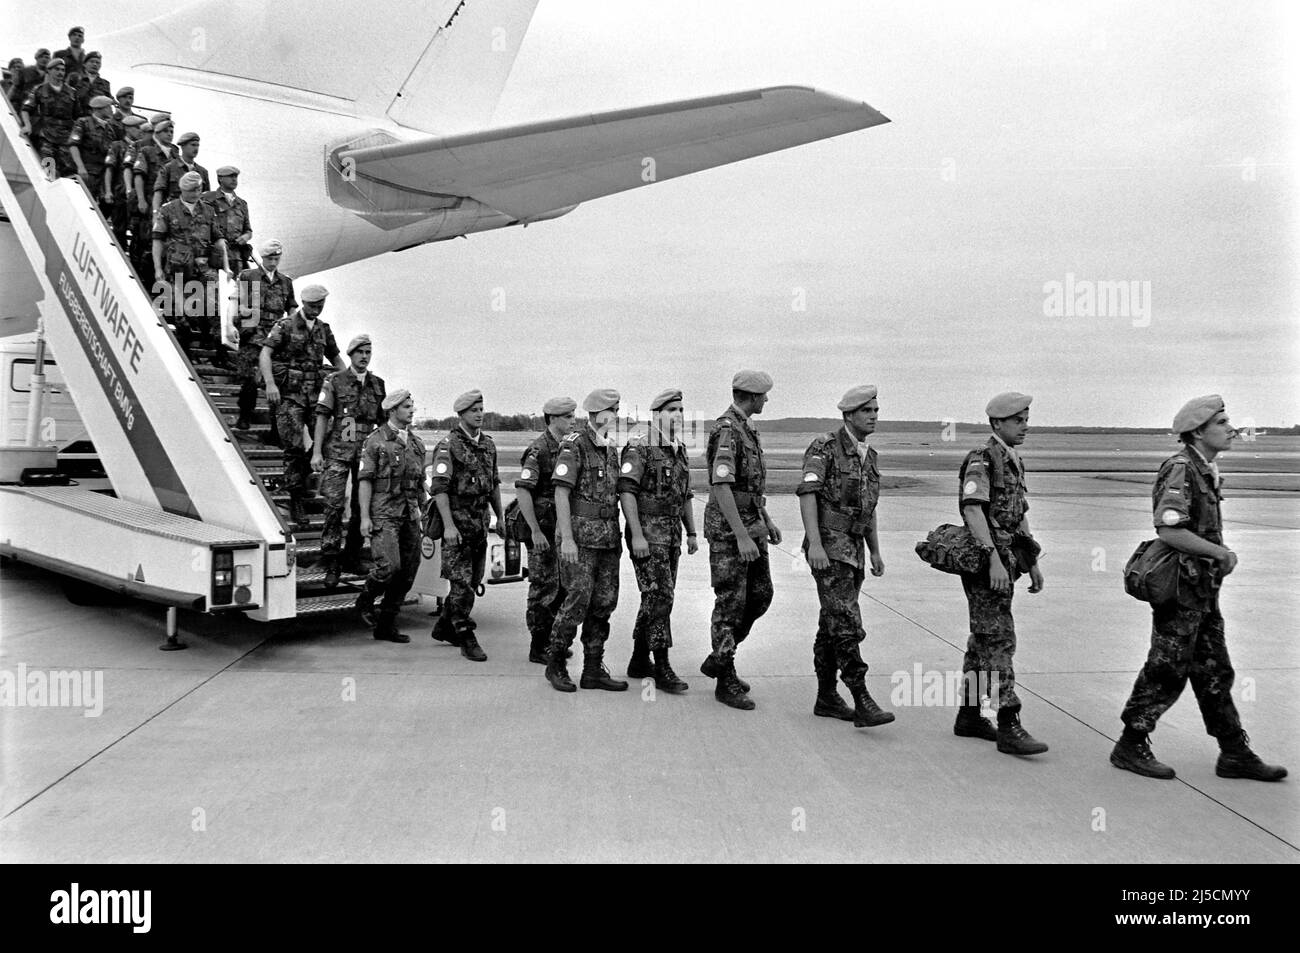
1185	643
56	157
742	592
334	494
462	567
992	643
187	297
545	595
395	545
656	577
291	414
839	624
590	597
247	358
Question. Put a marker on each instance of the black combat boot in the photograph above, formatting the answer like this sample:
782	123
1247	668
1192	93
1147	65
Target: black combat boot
595	675
665	678
713	668
971	724
866	713
386	630
639	665
829	704
1012	738
728	690
557	673
443	631
247	404
331	567
1236	760
1133	753
365	603
297	512
538	652
469	646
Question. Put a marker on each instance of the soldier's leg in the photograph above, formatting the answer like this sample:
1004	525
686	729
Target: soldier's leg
543	592
837	589
577	579
728	576
1169	660
829	703
595	630
758	592
352	539
647	582
458	570
333	487
289	417
1211	675
406	538
246	375
385	544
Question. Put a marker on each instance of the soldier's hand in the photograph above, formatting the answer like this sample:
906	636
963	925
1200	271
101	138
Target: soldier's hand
999	580
568	550
773	534
451	535
540	543
1229	563
272	393
1035	579
692	544
317	463
501	528
366	527
817	557
877	565
143	206
748	548
640	548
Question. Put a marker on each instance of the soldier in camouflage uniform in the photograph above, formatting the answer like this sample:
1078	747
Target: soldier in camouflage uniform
232	213
49	113
390	482
465	484
291	360
654	485
536	495
153	152
586	519
89	144
265	294
166	184
837	500
1187	634
347	411
120	180
738	529
994	503
188	247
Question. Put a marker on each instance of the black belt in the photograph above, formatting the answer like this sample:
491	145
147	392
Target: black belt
842	522
658	508
604	511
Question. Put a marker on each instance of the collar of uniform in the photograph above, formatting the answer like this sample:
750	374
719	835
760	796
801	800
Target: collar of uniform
228	196
190	206
360	378
738	414
472	438
996	441
596	438
270	275
1205	464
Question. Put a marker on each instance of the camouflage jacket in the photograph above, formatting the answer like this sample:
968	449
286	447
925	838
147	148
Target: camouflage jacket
396	472
297	353
93	140
535	469
266	300
992	476
233	216
466	471
590	470
150	157
168	179
1187	494
658	474
847	490
735	457
53	112
188	237
353	409
121	155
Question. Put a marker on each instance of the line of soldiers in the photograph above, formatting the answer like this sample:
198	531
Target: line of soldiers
158	200
574	480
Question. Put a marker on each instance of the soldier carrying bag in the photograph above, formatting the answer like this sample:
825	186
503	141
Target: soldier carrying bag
953	549
1157	573
516	526
433	521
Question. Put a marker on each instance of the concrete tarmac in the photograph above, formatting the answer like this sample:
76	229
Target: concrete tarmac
318	743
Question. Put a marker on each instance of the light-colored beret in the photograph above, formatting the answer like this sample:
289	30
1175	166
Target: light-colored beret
272	246
227	170
1196	412
160	117
664	397
606	398
396	398
134	121
559	406
126	90
191	180
752	382
357	342
855	397
99	102
466	400
313	293
1007	405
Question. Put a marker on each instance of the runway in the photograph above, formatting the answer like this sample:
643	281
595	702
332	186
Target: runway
246	747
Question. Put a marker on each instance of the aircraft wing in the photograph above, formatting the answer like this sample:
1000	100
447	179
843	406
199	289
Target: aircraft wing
528	170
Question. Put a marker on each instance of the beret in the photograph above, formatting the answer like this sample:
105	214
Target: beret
855	397
227	170
187	137
42	52
99	102
664	397
356	342
752	382
57	61
77	29
396	397
191	180
147	127
126	89
93	55
313	293
466	400
272	246
1196	412
133	121
559	406
603	399
1007	405
159	117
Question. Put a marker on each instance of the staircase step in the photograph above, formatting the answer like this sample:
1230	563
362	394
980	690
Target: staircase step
325	604
314	578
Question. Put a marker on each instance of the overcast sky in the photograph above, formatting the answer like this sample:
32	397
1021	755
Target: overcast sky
1140	142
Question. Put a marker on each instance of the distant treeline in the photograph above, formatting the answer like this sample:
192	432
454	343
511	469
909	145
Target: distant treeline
495	421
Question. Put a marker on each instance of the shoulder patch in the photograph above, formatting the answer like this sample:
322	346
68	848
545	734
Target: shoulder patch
1171	517
810	478
561	469
525	474
970	486
722	470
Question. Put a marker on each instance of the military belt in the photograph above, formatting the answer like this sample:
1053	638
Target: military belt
844	522
602	511
652	507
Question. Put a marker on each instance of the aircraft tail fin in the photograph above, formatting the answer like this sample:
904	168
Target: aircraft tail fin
433	65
